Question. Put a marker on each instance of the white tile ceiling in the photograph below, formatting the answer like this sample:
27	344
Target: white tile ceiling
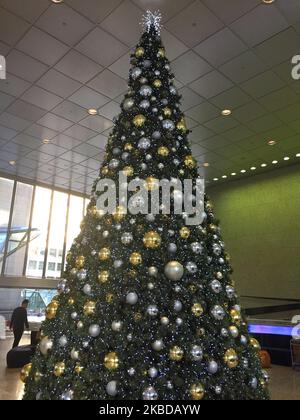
65	58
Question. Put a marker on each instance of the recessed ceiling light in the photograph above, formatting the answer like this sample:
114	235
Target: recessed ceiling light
57	1
243	171
92	111
224	176
272	142
216	179
233	174
268	1
226	112
46	141
263	165
206	164
275	162
298	155
253	168
286	158
12	162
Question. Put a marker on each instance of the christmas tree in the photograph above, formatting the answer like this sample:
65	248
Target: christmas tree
147	308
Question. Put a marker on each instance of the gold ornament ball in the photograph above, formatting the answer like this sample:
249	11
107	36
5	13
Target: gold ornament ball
51	310
255	344
37	376
105	170
103	276
167	112
197	392
151	184
176	354
89	308
71	301
181	125
80	261
190	162
157	83
104	254
137	316
236	316
152	240
161	52
139	120
111	361
109	297
128	147
25	372
139	52
59	369
231	358
135	258
128	171
163	151
78	368
197	309
185	232
119	213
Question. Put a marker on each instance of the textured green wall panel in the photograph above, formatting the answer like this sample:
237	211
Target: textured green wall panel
260	221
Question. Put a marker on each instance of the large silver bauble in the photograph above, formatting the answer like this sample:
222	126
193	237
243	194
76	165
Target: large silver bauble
217	250
116	326
131	371
116	151
172	248
156	135
87	289
150	394
146	90
45	345
74	354
158	345
179	321
152	310
234	332
254	383
111	388
216	286
145	104
150	218
94	330
218	390
125	155
74	315
244	340
224	332
131	298
105	234
118	264
218	312
153	372
128	104
191	267
196	353
67	396
168	125
135	73
174	270
126	238
144	143
82	274
148	157
197	248
114	163
212	367
61	287
177	306
153	271
230	292
63	341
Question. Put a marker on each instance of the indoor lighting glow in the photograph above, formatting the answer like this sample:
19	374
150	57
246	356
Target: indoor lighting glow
243	171
92	111
298	155
272	143
253	168
206	164
12	162
226	112
286	158
233	174
275	162
46	141
57	1
268	1
216	179
224	176
263	165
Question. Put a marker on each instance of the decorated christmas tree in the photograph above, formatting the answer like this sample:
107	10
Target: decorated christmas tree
147	308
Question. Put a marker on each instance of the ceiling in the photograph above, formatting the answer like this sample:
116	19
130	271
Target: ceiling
64	58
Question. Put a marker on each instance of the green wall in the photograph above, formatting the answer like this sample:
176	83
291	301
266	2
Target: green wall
260	221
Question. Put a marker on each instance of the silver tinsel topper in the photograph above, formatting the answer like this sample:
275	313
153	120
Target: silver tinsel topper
152	19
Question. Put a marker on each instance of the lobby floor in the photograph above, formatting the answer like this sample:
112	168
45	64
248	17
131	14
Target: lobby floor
285	382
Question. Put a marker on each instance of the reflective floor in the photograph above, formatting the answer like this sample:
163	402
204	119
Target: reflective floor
285	382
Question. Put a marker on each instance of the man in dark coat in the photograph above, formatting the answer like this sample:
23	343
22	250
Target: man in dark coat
19	321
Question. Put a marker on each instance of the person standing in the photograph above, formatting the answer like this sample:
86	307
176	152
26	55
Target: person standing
19	321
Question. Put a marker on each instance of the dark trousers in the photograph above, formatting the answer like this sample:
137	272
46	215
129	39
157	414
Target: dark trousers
18	335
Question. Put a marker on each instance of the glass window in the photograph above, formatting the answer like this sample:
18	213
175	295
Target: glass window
18	235
38	236
86	203
51	266
59	266
52	252
6	188
57	231
32	265
75	218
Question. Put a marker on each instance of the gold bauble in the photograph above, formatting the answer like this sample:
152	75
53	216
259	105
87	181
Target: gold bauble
111	361
181	125
51	310
25	372
109	297
59	369
197	309
193	288
89	308
80	261
139	52
105	170
190	162
231	358
128	171
128	147
167	112
185	232
163	151
135	258
255	344
137	316
37	376
151	183
139	120
197	392
157	83
78	368
236	316
104	254
119	213
161	52
212	227
103	276
71	301
176	354
152	240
